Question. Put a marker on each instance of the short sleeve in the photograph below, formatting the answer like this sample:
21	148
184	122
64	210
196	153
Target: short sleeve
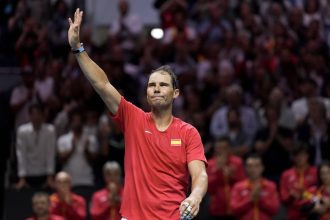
63	144
126	112
194	148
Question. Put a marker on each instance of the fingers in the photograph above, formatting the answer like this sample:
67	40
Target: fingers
188	210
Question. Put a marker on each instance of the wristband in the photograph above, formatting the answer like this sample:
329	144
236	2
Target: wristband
78	50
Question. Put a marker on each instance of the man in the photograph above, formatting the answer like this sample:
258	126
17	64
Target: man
160	150
256	197
65	203
224	170
77	151
35	150
106	202
40	206
295	181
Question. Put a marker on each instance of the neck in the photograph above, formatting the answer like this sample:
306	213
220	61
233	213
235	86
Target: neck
162	119
44	217
255	180
301	167
36	126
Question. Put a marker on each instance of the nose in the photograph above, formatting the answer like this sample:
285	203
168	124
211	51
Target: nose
157	88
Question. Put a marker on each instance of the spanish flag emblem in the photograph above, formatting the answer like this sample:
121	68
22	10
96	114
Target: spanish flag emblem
176	142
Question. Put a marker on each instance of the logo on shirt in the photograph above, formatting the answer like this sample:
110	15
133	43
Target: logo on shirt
176	142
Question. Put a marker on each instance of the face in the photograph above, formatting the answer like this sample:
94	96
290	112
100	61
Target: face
221	147
40	205
325	175
36	116
254	168
160	92
63	183
301	159
112	175
76	123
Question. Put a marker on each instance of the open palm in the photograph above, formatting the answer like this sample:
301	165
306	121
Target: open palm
73	32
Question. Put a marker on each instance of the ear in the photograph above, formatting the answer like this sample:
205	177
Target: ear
176	93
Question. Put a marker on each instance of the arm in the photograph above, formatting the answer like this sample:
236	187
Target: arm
91	70
199	181
239	204
270	204
99	209
77	209
284	190
21	159
51	150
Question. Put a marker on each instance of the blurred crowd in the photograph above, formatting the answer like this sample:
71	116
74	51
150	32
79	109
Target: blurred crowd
254	78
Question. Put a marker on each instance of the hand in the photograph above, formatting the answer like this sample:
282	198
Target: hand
74	29
221	161
50	182
255	194
21	184
189	207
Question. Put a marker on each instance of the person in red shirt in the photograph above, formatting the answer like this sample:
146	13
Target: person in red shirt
40	206
224	170
295	181
316	201
65	203
255	198
161	151
106	202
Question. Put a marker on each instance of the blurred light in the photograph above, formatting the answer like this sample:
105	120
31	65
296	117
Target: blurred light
157	33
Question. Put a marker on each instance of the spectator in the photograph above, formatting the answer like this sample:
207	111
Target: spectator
316	200
22	96
127	28
308	89
35	149
219	121
64	202
77	150
254	197
295	181
40	206
315	131
106	202
274	144
224	170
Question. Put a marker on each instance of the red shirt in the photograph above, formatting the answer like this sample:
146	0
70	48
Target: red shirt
50	217
244	208
101	208
75	211
319	193
219	187
292	180
156	164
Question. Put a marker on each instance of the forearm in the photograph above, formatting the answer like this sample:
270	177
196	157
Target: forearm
95	75
199	186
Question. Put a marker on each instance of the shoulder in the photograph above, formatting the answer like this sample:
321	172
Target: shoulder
241	184
54	198
235	160
184	126
65	137
56	217
78	198
25	128
100	192
49	127
269	184
288	172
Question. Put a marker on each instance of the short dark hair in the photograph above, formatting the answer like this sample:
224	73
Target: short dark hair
36	106
301	147
41	194
169	71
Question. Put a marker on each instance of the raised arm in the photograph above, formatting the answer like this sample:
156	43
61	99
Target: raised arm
95	75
